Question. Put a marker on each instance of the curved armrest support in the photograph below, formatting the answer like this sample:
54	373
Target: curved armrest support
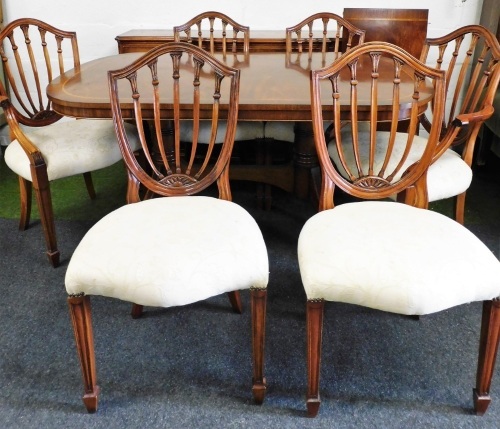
31	150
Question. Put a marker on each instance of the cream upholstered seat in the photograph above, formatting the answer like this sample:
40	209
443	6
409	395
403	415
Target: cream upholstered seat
244	131
43	147
172	244
385	255
92	146
214	246
411	261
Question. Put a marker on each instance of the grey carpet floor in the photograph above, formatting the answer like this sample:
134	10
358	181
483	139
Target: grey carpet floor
190	367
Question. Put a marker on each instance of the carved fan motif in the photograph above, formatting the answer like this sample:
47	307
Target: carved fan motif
370	182
177	180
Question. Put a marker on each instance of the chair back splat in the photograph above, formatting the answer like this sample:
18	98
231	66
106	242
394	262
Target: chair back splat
33	53
378	167
323	32
222	34
172	167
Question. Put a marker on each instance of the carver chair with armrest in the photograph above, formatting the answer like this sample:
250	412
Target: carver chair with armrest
43	148
392	256
183	245
471	57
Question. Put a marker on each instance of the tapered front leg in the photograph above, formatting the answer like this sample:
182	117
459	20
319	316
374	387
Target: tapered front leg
488	347
314	322
258	299
79	308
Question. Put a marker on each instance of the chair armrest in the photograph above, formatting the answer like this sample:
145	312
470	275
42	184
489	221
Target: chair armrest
471	118
457	124
31	150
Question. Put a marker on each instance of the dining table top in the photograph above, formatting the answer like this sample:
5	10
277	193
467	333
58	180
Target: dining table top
274	86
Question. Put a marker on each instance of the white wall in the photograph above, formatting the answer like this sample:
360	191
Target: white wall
98	22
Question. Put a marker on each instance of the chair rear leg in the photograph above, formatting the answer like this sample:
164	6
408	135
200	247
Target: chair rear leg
488	347
460	208
25	192
137	311
89	184
44	202
235	300
81	318
258	300
314	322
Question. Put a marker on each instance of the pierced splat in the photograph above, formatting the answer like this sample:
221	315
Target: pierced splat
213	36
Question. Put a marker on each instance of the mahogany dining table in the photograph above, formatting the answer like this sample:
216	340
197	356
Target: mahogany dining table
274	86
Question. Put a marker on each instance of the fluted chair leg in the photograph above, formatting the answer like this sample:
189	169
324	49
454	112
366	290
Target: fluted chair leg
235	300
25	191
79	308
258	298
89	184
314	322
44	201
488	347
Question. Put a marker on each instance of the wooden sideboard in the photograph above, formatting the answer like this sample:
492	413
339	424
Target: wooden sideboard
144	40
260	41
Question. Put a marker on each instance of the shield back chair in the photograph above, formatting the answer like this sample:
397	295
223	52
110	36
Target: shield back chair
221	35
185	245
323	32
470	55
391	256
42	147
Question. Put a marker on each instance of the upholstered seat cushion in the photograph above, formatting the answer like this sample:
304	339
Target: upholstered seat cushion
394	257
170	251
280	130
283	130
70	147
245	130
447	177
